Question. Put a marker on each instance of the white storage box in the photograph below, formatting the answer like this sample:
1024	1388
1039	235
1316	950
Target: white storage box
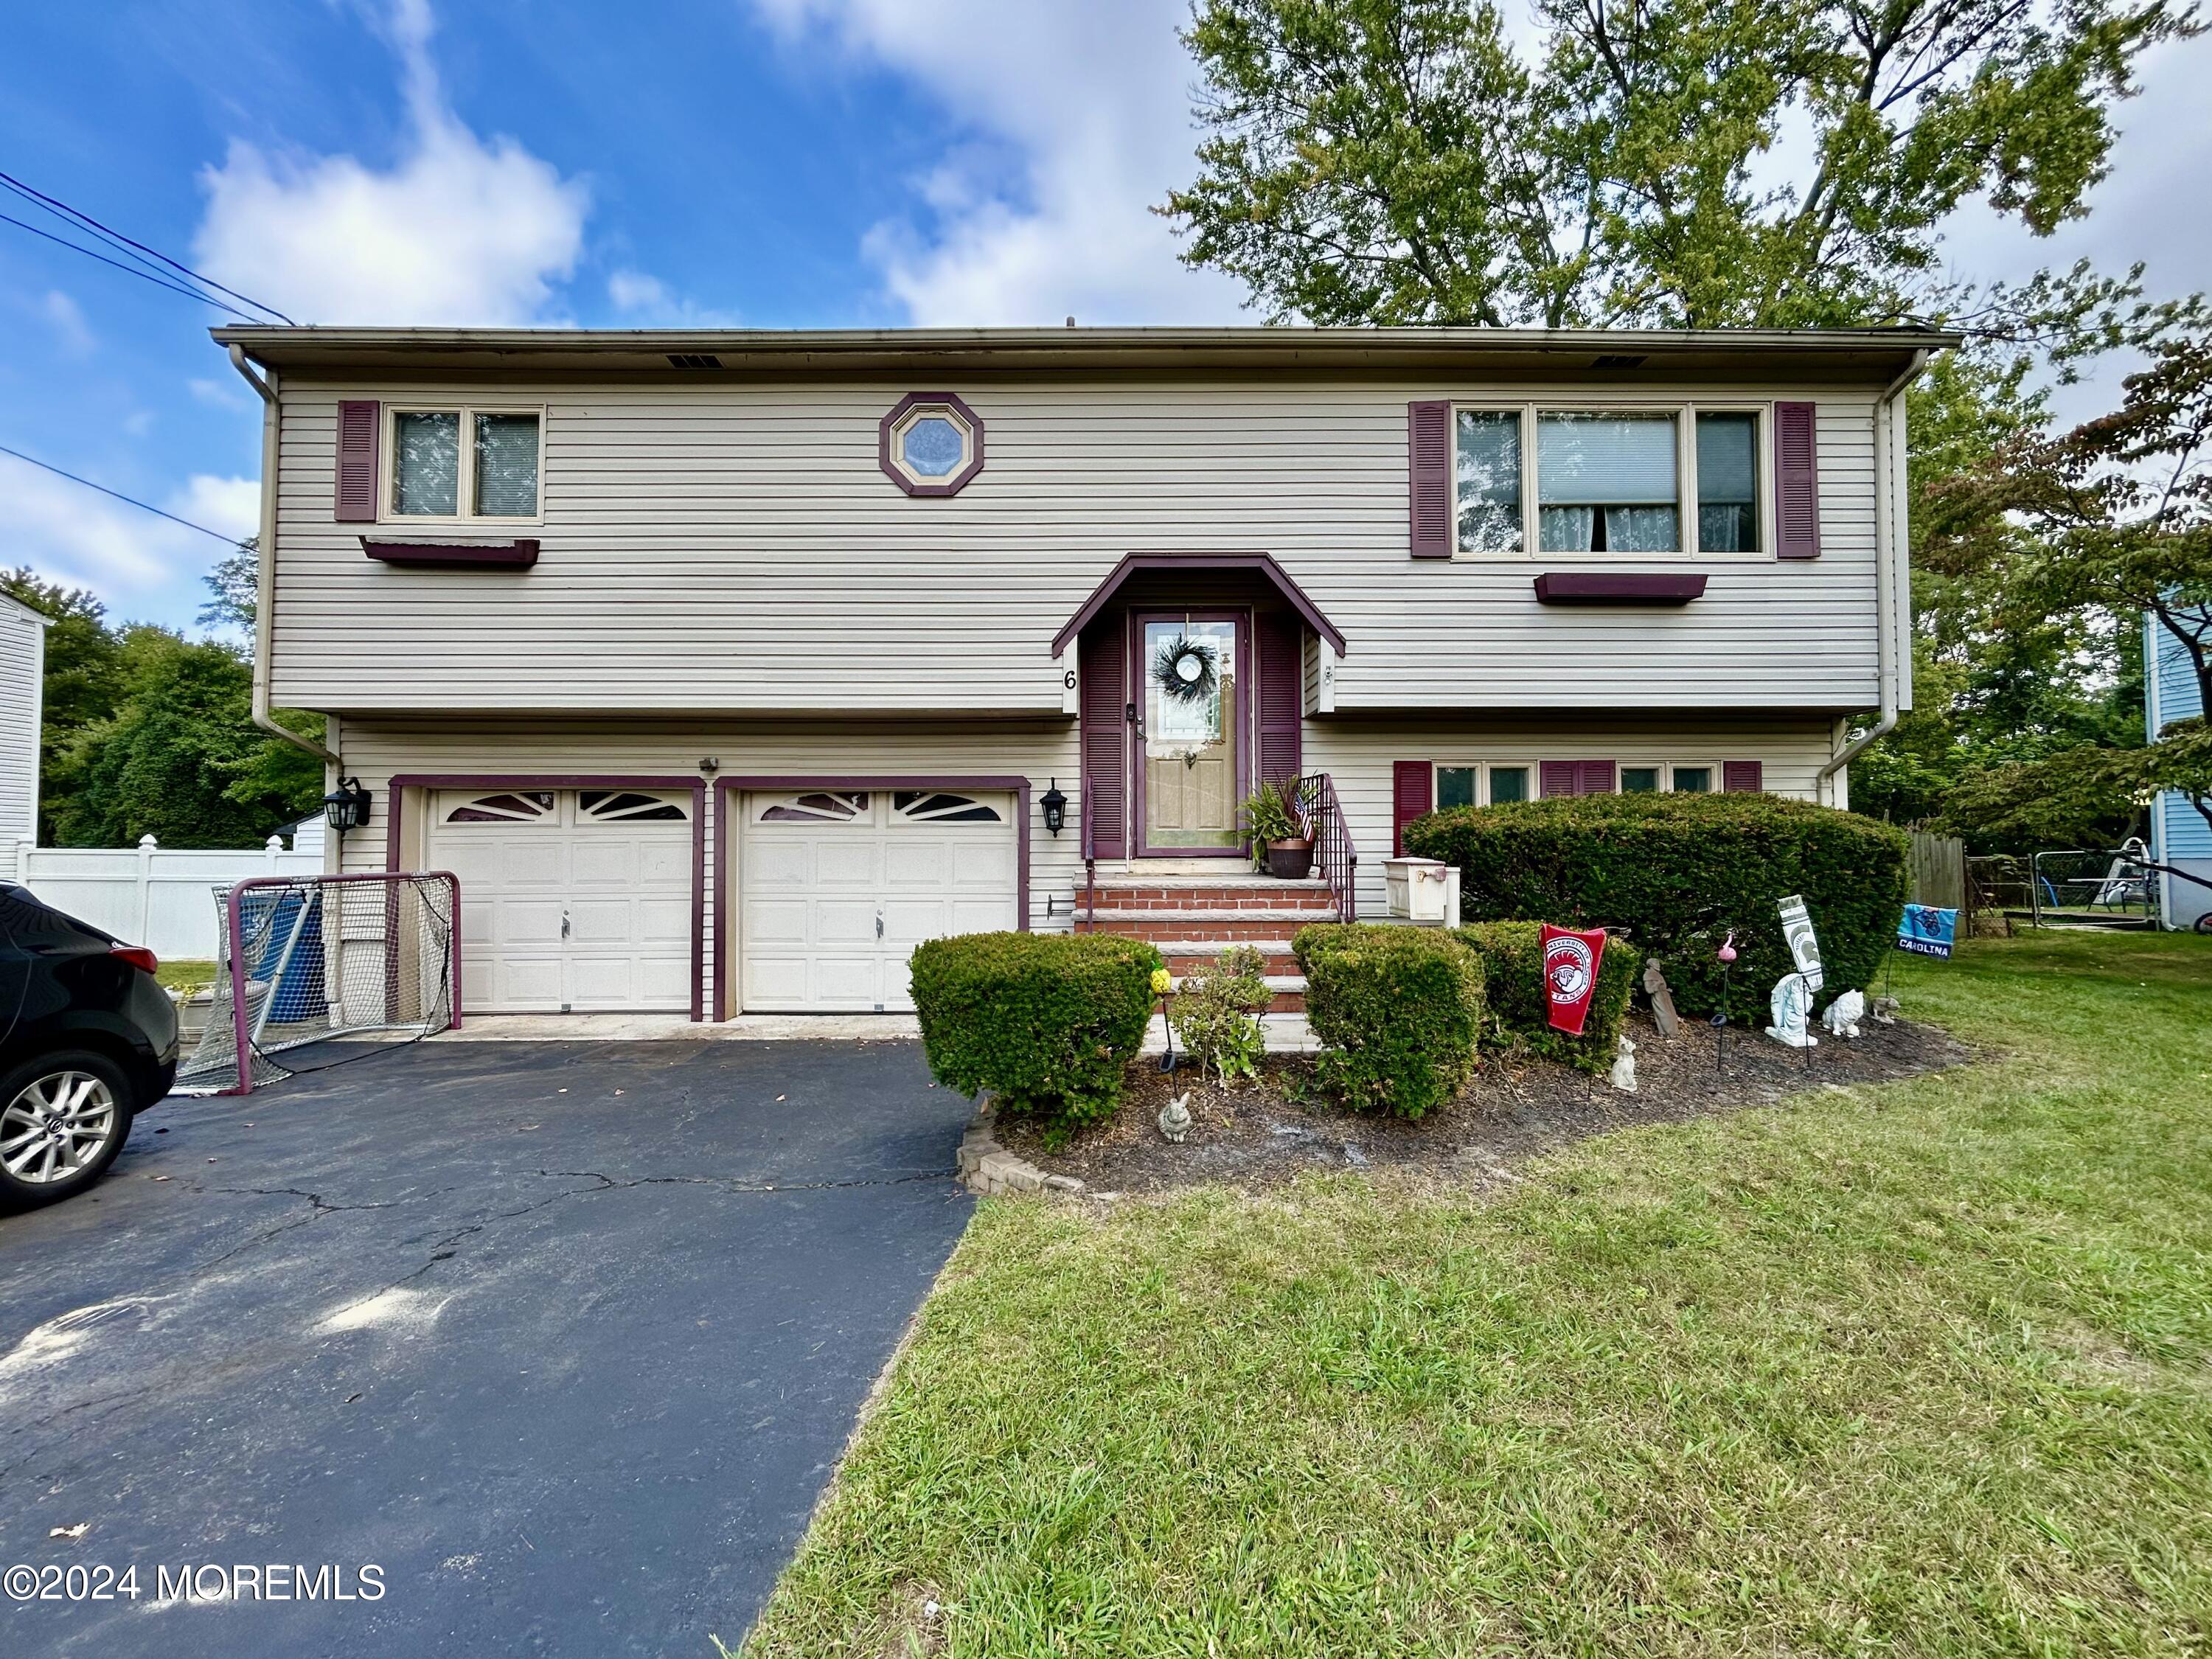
1418	888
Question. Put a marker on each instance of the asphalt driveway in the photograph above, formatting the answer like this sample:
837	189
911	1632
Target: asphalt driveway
562	1338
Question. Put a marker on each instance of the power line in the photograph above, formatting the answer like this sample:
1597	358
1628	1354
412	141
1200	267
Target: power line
114	235
48	466
128	271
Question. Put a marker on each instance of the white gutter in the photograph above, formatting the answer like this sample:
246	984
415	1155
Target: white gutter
1892	610
264	601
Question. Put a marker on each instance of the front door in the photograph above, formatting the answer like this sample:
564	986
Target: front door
1190	748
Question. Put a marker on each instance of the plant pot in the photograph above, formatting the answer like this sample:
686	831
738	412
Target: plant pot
1290	860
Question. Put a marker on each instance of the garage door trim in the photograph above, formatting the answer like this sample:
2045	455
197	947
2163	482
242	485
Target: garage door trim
426	784
727	788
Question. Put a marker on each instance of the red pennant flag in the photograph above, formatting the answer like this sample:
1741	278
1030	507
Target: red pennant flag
1570	961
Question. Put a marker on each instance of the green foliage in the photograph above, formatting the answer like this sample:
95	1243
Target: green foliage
2065	800
1520	1002
83	678
180	760
1216	1013
1680	873
234	591
1403	161
1400	1010
1047	1022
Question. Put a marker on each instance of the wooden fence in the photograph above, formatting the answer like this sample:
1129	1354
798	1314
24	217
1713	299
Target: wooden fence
1938	864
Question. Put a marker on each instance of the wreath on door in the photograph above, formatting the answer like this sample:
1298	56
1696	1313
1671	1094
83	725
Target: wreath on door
1187	670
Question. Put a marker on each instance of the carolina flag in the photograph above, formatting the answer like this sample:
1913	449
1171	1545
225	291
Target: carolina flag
1570	961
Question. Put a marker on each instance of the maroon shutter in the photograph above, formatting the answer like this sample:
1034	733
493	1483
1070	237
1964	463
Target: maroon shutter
1796	483
1282	694
1560	778
1102	663
1742	777
1410	797
1429	483
1597	778
357	435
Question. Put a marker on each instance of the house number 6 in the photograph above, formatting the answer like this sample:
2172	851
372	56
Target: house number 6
1067	680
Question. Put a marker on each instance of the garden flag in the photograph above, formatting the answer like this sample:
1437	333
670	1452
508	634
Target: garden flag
1570	961
1927	931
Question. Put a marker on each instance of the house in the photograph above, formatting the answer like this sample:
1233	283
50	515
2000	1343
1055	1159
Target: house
723	666
22	697
2178	834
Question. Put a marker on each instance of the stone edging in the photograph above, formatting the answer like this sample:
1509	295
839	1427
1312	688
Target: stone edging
987	1169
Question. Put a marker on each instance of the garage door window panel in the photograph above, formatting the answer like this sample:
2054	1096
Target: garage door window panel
819	808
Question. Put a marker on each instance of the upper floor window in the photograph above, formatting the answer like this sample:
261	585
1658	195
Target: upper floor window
1618	481
462	463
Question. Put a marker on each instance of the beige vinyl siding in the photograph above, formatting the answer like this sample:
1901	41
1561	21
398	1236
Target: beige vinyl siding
22	658
1357	754
729	546
376	751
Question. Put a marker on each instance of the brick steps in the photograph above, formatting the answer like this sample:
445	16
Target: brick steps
1191	919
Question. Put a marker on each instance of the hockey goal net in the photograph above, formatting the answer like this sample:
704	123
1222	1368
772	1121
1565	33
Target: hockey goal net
314	970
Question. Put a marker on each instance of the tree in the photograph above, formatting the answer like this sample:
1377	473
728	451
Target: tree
234	589
2100	525
83	680
1398	161
181	759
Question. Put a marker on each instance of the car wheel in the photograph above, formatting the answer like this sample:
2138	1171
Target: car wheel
63	1117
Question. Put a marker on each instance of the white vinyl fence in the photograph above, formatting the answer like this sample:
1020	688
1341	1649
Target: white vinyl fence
148	895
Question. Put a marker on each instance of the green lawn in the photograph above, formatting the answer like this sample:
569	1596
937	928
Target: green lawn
176	975
1923	1369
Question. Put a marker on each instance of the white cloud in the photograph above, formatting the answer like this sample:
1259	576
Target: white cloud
218	394
645	301
1092	101
67	321
74	535
461	230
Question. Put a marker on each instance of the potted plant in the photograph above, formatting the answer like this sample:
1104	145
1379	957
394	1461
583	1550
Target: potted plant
1282	836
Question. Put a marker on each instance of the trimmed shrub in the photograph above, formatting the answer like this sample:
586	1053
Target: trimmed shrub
1679	872
1400	1010
1048	1022
1217	1014
1520	1003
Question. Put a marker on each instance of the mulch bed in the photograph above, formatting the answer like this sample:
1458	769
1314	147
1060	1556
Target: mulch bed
1265	1132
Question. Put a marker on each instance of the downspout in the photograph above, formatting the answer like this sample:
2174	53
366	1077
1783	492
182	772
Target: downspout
264	602
1892	596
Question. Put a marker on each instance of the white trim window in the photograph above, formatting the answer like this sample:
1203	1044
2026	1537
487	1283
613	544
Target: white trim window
1483	783
463	464
1611	480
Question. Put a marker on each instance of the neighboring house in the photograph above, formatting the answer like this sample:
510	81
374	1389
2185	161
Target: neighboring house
22	699
304	835
723	666
2178	834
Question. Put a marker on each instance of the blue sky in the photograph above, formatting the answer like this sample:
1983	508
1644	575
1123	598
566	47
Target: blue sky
758	162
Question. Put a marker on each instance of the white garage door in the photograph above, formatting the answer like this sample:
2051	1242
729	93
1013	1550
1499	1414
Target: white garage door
837	887
572	900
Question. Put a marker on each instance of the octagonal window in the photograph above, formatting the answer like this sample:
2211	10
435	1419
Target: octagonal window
932	443
932	447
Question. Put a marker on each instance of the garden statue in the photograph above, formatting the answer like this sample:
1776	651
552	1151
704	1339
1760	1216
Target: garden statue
1175	1117
1885	1011
1663	1000
1845	1014
1790	1007
1623	1075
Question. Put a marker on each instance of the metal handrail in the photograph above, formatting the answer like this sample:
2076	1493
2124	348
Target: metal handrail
1090	858
1337	858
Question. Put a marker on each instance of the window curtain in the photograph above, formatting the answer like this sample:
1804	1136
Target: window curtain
1487	474
1728	482
507	465
1620	465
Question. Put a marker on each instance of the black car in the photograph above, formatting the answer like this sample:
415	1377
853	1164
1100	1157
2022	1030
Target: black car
88	1040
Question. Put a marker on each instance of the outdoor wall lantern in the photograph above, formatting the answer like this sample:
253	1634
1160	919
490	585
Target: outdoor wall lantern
1055	808
346	807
